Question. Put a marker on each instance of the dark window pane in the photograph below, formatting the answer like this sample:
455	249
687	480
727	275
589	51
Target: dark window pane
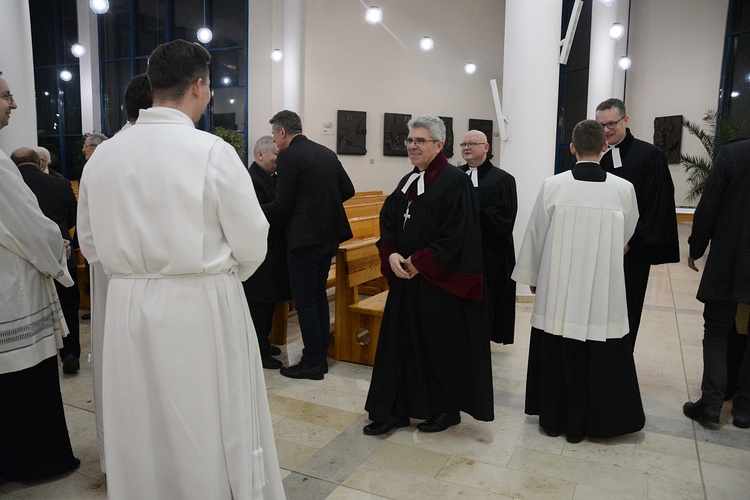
188	18
43	34
228	85
229	24
739	82
742	19
116	76
47	110
151	26
70	98
116	31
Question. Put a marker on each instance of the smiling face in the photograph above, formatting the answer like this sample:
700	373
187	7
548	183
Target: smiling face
422	155
474	148
7	104
609	116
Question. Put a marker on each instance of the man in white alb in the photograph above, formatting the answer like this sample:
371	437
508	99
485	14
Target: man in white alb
173	218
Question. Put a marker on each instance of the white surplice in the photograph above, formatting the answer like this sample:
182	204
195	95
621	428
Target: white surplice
573	253
31	255
172	216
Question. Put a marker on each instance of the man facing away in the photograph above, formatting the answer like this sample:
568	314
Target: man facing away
498	205
58	202
723	219
581	377
310	190
645	166
270	282
171	214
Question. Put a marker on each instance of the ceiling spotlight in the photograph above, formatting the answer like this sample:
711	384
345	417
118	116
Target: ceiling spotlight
470	68
374	15
78	50
607	3
426	44
277	55
624	63
231	101
205	35
226	80
616	31
99	6
66	75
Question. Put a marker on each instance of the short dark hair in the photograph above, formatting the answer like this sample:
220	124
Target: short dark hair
96	138
613	102
288	120
173	67
588	138
25	155
137	96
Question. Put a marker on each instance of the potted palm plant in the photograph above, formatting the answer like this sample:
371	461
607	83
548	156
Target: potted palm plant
698	167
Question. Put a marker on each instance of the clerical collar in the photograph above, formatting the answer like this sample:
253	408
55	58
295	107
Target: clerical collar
430	174
588	171
473	174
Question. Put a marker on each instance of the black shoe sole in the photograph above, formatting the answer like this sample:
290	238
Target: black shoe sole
368	431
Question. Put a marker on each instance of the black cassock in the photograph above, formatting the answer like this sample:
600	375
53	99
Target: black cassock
645	166
433	352
498	205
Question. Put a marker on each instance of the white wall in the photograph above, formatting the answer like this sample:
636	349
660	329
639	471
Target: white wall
350	65
676	47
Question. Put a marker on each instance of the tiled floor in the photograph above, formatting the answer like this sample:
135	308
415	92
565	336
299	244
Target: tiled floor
323	453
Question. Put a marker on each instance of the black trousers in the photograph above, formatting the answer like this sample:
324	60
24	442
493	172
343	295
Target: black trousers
70	299
262	314
719	318
636	282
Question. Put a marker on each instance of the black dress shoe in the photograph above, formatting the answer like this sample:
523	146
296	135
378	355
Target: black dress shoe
708	415
301	371
377	428
440	422
274	351
271	363
71	364
551	432
740	418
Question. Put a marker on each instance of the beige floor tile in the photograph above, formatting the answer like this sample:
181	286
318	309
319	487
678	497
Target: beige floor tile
591	470
292	454
304	433
312	412
409	459
387	482
506	481
668	488
344	493
725	455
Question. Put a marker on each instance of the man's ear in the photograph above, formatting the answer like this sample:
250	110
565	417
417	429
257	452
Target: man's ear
573	148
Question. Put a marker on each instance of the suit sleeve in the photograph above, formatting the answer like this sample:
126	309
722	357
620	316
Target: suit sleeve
704	219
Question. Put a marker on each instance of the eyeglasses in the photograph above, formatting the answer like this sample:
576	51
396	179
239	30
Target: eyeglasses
8	97
471	144
419	141
612	125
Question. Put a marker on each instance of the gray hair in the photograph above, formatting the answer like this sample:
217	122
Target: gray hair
44	154
96	138
433	124
264	144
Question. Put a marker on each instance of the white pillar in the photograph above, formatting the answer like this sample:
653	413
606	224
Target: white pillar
18	70
293	78
263	74
530	85
606	79
88	36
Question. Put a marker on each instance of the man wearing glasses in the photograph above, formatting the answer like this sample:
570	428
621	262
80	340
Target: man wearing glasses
498	205
433	354
645	166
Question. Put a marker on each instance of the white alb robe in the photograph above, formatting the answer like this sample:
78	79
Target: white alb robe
573	253
31	255
172	216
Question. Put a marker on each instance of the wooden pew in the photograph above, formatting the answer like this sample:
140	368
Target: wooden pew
370	198
357	323
363	210
365	227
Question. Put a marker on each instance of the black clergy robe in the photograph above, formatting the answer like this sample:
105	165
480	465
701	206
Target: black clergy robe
498	204
433	351
655	240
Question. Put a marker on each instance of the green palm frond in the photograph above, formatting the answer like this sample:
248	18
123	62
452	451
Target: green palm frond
698	167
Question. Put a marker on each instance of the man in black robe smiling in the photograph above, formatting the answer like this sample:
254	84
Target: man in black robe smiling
433	355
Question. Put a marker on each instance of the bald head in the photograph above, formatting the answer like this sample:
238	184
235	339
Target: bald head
474	148
24	156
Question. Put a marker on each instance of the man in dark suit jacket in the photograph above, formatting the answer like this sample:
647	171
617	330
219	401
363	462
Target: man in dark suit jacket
270	282
311	187
723	219
58	202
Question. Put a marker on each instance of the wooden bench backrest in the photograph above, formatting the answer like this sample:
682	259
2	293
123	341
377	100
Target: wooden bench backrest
365	227
361	200
363	210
